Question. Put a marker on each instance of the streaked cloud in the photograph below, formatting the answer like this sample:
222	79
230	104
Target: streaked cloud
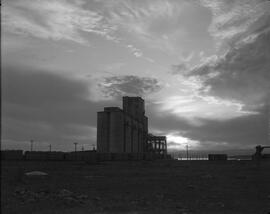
196	107
72	20
242	74
52	20
235	20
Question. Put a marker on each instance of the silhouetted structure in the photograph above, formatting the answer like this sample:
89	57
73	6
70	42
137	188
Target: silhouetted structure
215	157
157	144
258	154
126	130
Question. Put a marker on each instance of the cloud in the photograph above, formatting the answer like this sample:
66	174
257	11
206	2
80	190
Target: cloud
234	83
47	107
153	23
135	51
195	107
72	20
242	132
235	21
134	25
39	87
54	20
178	142
181	68
130	85
242	74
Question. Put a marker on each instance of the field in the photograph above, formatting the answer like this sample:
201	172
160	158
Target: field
136	187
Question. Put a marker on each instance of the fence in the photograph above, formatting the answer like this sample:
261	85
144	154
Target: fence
87	156
11	154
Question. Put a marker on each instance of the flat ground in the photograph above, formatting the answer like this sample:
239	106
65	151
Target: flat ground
136	187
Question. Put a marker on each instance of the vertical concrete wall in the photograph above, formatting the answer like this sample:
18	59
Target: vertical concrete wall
135	139
116	132
103	130
139	140
145	133
134	106
128	133
142	138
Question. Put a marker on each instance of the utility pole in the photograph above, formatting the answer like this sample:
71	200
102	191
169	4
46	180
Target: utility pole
187	150
268	111
75	146
31	145
82	148
50	147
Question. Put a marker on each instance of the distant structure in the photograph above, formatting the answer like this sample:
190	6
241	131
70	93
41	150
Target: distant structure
157	144
217	157
126	130
258	154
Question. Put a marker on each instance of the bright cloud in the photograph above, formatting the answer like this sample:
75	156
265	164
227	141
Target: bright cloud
194	107
178	142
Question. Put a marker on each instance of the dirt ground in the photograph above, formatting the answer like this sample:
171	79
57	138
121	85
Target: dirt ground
136	187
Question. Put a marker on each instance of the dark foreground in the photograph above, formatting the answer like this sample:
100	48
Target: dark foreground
136	187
